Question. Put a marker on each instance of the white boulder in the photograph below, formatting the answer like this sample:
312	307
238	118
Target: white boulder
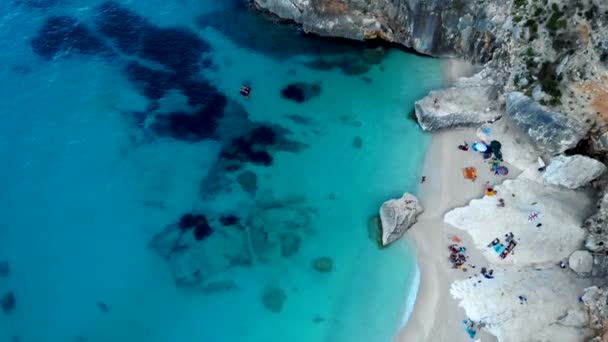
397	215
581	262
573	172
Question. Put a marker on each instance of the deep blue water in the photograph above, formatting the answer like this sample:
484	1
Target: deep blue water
118	118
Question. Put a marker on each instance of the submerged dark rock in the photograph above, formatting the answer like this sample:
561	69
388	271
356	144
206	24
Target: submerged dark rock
192	126
273	299
229	220
5	269
176	48
65	35
248	180
322	264
8	302
152	83
252	148
190	220
103	307
290	244
120	25
202	229
300	92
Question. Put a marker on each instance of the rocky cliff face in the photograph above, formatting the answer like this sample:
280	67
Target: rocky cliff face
436	27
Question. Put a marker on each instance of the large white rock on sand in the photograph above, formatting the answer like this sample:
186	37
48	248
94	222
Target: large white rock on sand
573	172
397	215
551	311
581	262
467	103
560	211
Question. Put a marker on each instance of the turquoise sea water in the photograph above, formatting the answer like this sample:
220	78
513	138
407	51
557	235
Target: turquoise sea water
87	183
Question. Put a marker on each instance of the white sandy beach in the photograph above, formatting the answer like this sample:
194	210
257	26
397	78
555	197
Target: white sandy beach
436	315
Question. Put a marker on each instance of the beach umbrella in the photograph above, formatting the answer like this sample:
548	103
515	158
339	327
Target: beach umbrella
479	147
503	170
495	145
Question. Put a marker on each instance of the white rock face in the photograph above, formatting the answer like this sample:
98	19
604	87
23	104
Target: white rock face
581	262
397	215
573	172
551	312
466	103
561	213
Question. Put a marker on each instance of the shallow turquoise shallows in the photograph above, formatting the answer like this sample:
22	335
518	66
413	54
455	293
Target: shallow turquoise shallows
86	186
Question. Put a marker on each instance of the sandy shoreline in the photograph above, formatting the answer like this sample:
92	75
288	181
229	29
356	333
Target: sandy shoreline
436	315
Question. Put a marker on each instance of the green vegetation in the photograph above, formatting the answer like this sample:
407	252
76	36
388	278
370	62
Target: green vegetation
532	28
548	80
530	52
520	3
555	22
458	5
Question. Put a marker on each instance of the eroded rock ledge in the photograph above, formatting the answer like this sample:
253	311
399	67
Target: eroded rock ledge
437	27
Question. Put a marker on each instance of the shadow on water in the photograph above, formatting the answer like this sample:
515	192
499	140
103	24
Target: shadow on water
282	39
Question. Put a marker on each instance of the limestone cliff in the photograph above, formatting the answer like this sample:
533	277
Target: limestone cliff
436	27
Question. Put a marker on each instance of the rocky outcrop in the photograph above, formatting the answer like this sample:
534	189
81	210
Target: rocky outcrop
193	262
469	102
397	215
552	132
560	212
550	312
581	262
436	27
573	172
596	300
597	226
274	229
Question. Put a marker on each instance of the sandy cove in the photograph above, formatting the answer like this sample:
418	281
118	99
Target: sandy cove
436	315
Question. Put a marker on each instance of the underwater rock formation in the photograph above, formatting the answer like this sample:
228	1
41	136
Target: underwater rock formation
301	91
229	220
397	215
248	181
192	261
290	244
8	302
322	264
63	35
273	299
5	269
